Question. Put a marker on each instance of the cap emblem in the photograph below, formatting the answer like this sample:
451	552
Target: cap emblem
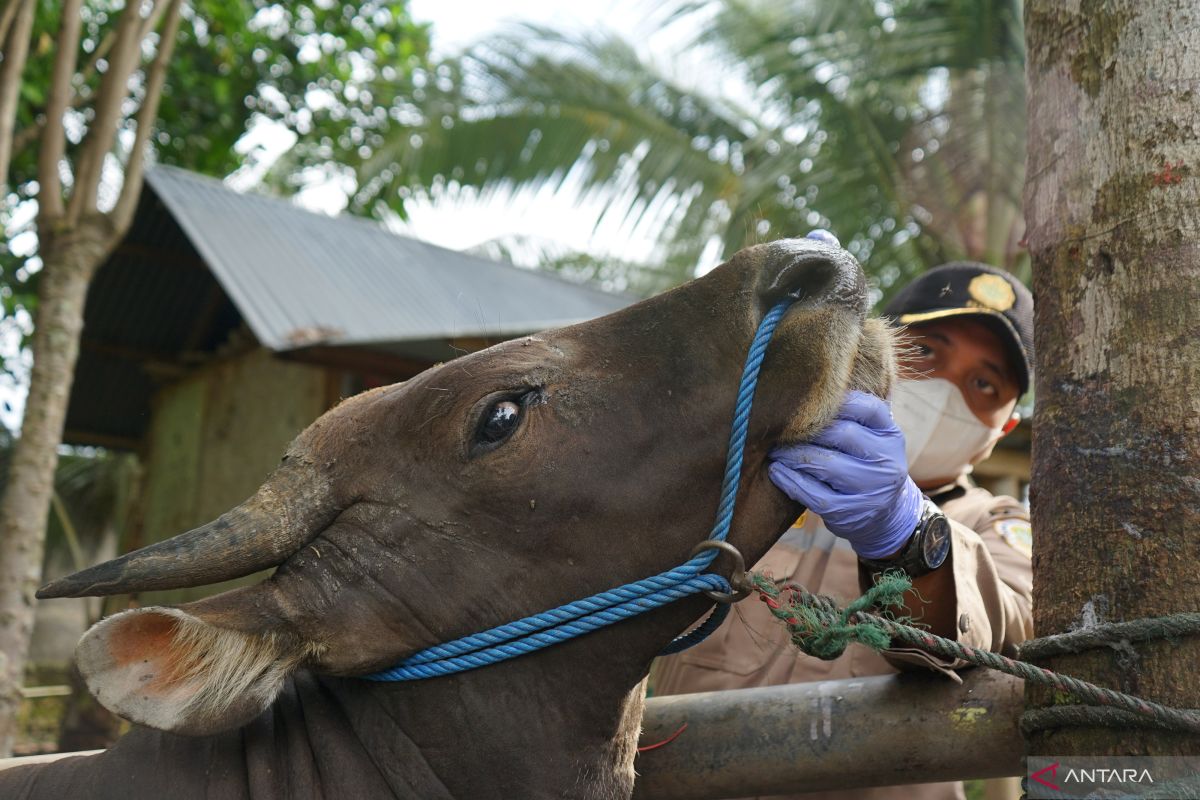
991	292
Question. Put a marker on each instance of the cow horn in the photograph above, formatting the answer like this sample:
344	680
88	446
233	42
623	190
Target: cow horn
288	511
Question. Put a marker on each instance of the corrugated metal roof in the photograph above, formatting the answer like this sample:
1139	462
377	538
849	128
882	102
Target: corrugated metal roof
301	278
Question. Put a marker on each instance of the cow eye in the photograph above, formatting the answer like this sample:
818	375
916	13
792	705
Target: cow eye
501	415
499	421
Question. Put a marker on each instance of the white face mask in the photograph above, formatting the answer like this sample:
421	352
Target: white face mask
942	437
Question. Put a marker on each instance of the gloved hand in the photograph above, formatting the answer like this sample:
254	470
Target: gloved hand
855	476
822	235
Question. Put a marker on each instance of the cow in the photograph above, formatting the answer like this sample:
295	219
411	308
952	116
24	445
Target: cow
502	483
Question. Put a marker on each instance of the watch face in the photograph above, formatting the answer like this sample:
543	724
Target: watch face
936	544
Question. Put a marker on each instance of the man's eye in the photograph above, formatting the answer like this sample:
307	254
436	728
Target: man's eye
921	351
499	421
986	386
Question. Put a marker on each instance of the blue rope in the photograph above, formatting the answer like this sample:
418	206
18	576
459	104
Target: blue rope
583	616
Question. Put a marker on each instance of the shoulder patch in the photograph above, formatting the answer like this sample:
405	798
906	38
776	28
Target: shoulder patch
1018	534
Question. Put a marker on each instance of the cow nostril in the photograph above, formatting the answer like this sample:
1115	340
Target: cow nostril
809	268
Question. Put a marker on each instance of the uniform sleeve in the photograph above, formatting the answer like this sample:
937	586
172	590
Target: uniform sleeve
993	586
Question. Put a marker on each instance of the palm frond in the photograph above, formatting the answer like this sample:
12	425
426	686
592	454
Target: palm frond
898	124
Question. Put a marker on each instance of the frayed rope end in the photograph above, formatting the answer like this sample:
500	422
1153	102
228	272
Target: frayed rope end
819	628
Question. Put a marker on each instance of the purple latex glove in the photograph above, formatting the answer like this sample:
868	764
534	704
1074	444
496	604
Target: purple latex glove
822	235
855	476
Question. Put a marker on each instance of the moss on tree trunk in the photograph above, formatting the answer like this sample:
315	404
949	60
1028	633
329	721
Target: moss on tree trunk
1113	212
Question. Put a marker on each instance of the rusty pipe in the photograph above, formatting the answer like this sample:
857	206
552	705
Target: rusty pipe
846	734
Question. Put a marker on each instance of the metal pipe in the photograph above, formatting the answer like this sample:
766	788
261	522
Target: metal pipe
846	734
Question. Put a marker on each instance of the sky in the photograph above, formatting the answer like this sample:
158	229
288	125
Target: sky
557	218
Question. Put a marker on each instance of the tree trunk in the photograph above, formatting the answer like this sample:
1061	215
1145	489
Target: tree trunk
1113	209
18	17
69	258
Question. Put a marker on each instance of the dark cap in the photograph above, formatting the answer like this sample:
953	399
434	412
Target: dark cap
966	288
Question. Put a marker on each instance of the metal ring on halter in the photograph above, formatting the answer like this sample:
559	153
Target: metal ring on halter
739	579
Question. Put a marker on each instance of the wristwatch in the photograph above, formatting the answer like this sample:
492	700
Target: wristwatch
926	549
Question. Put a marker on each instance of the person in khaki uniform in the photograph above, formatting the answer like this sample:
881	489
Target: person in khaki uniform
891	488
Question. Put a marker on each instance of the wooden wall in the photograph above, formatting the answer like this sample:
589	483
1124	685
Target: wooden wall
214	436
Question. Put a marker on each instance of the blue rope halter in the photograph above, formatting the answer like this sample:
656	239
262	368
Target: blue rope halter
582	616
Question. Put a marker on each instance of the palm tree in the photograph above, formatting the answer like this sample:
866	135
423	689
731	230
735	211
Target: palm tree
899	125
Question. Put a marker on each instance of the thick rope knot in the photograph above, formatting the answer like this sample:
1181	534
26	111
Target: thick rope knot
819	628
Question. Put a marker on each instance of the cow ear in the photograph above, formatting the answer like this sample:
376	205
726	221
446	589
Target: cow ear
172	670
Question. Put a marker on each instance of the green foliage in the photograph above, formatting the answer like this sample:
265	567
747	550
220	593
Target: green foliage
93	490
607	273
238	59
37	725
92	495
327	71
899	125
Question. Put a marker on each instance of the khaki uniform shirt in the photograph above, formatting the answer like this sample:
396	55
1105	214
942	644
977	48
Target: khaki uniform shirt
990	558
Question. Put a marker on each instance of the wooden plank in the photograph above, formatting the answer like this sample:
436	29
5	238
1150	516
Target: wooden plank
37	692
159	255
23	761
215	437
395	368
89	439
1007	463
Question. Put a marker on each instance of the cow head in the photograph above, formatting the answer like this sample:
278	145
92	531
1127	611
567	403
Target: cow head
503	483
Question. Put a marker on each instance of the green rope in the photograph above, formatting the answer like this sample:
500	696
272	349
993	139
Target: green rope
1117	635
1078	716
819	628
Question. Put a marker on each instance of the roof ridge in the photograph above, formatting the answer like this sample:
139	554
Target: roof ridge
377	226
